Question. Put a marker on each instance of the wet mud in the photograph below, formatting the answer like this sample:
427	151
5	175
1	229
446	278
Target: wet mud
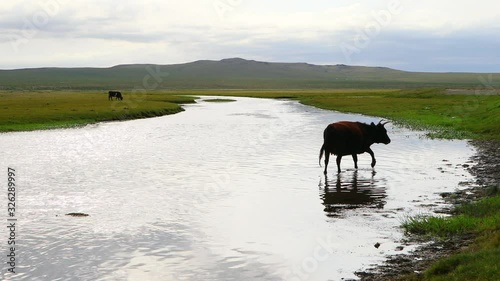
484	166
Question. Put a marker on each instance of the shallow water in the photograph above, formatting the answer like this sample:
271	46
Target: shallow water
222	191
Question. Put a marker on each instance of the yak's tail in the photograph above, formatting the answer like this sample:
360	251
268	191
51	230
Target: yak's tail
321	153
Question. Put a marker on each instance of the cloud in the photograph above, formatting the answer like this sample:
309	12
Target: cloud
464	50
105	33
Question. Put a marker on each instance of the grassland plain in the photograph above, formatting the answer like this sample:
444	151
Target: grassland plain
22	111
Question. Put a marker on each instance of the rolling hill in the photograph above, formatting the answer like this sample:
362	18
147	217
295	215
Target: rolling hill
235	73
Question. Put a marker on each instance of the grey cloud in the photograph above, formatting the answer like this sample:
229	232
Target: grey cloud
464	51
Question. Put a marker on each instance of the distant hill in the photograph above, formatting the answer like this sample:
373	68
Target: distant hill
235	73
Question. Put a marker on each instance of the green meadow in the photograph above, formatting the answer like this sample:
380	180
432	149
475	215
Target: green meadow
22	111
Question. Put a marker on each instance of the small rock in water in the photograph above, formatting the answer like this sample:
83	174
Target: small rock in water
399	248
377	245
77	214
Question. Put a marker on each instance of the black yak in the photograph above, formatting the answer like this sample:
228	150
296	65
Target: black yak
352	138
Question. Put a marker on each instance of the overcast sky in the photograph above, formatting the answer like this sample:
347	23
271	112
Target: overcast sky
424	35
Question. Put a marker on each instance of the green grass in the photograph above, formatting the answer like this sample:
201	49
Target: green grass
440	226
22	111
219	100
475	217
444	116
480	265
477	262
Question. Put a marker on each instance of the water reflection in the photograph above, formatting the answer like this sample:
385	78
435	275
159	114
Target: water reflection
351	190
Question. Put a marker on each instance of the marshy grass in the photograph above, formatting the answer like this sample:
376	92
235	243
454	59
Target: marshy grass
477	217
476	262
438	226
219	100
480	265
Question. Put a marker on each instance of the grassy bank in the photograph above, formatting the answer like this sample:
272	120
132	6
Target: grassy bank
219	100
445	116
477	262
22	111
482	216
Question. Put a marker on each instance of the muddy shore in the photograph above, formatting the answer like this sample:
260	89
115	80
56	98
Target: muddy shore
484	167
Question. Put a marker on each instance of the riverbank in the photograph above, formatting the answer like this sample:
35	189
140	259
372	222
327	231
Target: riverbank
431	261
39	110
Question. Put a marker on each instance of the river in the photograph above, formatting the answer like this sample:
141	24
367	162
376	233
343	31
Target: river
221	191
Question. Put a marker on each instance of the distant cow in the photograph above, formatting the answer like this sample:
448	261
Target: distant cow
115	94
352	138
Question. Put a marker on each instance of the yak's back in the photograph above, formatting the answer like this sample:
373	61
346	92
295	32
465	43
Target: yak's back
345	138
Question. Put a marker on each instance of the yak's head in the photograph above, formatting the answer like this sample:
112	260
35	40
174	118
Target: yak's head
380	133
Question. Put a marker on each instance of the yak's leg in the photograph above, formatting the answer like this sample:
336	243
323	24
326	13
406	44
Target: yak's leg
355	159
373	157
327	158
339	157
